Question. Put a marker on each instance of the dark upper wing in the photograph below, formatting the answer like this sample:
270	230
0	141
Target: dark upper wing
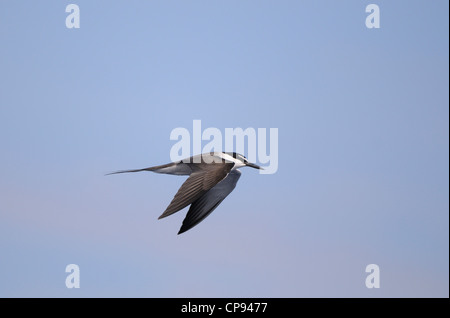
198	183
205	204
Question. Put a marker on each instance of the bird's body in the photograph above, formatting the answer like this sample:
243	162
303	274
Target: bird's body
212	177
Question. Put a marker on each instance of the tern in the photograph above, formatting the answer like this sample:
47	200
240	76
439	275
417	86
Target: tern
212	177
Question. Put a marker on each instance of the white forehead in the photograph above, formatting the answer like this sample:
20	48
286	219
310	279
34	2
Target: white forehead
228	157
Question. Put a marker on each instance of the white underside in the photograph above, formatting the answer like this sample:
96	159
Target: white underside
178	169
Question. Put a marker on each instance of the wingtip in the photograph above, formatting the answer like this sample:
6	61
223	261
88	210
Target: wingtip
165	214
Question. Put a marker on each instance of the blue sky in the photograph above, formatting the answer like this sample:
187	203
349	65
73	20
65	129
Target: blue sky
363	128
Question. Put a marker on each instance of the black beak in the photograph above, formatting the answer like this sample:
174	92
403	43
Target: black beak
249	164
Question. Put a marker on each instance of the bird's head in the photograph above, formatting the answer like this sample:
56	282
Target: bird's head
243	160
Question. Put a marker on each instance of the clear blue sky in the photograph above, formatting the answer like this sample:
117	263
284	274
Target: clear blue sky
363	172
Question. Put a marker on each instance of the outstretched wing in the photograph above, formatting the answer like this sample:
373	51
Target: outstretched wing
198	183
205	204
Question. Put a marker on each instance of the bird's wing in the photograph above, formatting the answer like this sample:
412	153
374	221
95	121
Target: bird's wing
210	200
198	183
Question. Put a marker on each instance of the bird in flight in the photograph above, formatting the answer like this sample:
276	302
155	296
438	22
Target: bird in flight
212	177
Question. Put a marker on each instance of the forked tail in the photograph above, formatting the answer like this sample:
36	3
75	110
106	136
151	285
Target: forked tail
158	169
125	171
